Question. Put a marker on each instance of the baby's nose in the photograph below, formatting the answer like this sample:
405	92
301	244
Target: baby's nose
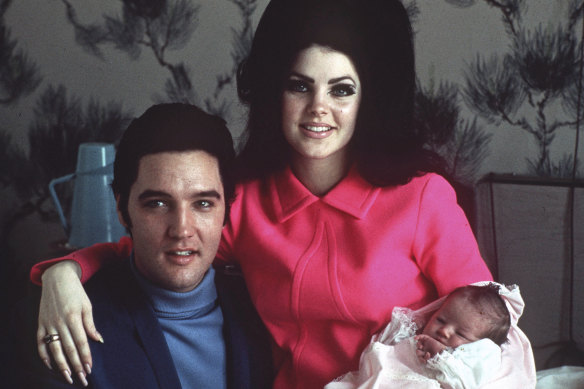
445	331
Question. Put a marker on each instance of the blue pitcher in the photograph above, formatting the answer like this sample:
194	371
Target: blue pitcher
93	213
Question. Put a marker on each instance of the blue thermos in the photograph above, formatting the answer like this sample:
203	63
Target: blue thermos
93	211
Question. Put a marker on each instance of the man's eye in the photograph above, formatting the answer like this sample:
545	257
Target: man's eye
204	204
296	86
343	90
155	204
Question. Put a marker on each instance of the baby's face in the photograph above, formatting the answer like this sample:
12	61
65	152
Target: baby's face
457	322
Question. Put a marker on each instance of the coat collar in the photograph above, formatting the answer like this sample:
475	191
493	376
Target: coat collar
248	356
149	331
353	195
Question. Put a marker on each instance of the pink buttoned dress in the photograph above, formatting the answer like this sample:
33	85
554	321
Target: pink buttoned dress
326	272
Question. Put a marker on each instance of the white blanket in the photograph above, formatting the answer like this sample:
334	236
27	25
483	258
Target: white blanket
565	377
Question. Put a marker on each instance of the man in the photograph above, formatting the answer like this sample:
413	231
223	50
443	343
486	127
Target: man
170	320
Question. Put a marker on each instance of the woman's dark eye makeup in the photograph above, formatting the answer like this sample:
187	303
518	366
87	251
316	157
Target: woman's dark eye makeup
295	85
337	90
341	90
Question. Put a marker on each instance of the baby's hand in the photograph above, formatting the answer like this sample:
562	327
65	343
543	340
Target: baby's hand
427	347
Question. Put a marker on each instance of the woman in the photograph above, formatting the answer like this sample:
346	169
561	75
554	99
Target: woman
336	219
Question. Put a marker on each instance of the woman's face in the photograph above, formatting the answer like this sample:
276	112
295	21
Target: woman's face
320	103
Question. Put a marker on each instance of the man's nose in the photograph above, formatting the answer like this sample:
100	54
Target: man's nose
183	223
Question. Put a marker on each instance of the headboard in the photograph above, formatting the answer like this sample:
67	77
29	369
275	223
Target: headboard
531	233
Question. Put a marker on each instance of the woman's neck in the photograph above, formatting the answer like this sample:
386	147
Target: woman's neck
319	176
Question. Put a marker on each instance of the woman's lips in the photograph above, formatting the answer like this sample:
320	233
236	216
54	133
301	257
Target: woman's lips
316	130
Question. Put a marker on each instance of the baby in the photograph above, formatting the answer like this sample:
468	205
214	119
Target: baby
470	313
457	347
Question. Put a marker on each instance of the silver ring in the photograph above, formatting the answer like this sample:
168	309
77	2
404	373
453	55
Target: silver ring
51	338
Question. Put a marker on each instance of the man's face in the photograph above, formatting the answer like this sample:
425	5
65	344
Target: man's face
176	207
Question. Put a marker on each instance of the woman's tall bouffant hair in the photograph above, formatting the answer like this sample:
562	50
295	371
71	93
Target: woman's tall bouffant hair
377	36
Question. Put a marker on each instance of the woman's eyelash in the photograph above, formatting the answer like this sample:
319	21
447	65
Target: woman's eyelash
338	90
296	86
344	90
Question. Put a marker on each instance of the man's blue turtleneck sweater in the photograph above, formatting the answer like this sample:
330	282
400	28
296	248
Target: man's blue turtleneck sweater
192	323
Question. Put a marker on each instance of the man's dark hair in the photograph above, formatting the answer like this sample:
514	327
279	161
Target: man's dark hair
488	301
167	128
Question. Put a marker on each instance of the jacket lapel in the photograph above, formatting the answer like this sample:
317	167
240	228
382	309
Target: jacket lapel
249	357
150	336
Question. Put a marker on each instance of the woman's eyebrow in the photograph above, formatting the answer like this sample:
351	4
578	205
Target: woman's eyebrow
339	79
330	82
302	76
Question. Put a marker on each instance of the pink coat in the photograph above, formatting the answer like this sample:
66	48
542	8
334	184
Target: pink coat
325	273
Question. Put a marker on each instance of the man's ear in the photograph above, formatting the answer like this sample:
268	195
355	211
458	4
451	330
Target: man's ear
120	216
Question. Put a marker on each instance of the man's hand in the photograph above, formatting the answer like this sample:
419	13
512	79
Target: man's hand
65	310
427	347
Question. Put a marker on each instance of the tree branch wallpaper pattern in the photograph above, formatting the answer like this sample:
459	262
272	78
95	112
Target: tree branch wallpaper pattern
120	56
540	69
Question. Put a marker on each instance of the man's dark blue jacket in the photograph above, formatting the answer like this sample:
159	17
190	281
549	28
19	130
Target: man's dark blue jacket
135	353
